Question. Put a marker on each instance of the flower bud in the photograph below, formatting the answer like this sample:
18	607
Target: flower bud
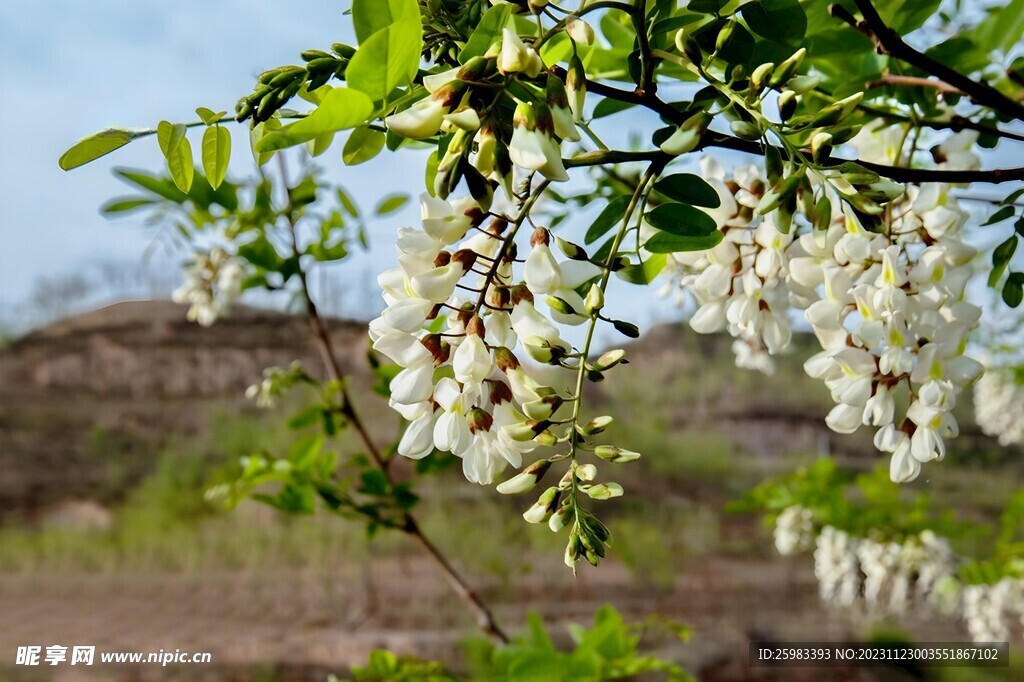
595	299
604	491
576	87
579	30
546	438
724	35
560	519
787	105
525	480
597	425
616	455
759	79
560	305
543	408
544	505
586	472
821	146
803	84
788	68
610	359
687	136
745	130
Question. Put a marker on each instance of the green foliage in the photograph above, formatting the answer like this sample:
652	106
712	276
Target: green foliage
861	504
607	651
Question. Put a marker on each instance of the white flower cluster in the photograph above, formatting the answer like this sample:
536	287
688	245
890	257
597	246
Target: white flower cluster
453	321
989	610
740	284
794	530
213	281
999	406
276	382
880	576
887	306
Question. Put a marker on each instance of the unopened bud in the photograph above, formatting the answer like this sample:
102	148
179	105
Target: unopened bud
821	146
788	68
609	359
560	305
526	479
543	408
505	359
576	85
787	105
745	130
759	79
560	519
616	455
595	299
586	472
604	491
579	30
542	507
597	425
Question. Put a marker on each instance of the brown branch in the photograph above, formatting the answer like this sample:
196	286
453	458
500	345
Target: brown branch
713	139
481	612
913	82
889	42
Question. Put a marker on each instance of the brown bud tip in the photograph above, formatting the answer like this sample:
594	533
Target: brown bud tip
435	311
479	420
511	253
466	258
505	359
499	297
540	236
437	346
443	259
520	293
498	226
476	326
477	215
500	393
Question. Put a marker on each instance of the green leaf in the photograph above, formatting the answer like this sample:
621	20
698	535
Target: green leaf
169	136
151	183
1000	215
609	106
487	32
96	145
1001	256
208	116
179	163
392	203
682	220
124	205
607	219
371	16
216	154
362	145
688	188
1013	290
341	109
782	21
664	242
347	203
319	144
644	273
390	58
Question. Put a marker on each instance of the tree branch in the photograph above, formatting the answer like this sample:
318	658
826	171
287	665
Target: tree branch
914	82
889	42
713	139
481	612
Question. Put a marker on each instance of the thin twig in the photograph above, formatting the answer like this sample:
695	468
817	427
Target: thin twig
914	82
889	42
481	612
713	139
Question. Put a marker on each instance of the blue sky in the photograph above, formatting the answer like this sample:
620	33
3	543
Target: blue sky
70	68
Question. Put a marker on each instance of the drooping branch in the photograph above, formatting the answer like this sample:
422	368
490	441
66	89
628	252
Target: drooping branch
321	336
889	42
713	139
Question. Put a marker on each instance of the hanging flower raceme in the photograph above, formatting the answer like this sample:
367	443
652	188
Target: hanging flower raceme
461	386
886	300
213	281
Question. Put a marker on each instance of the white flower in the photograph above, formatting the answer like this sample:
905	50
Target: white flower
423	119
533	146
418	440
516	56
472	361
794	530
